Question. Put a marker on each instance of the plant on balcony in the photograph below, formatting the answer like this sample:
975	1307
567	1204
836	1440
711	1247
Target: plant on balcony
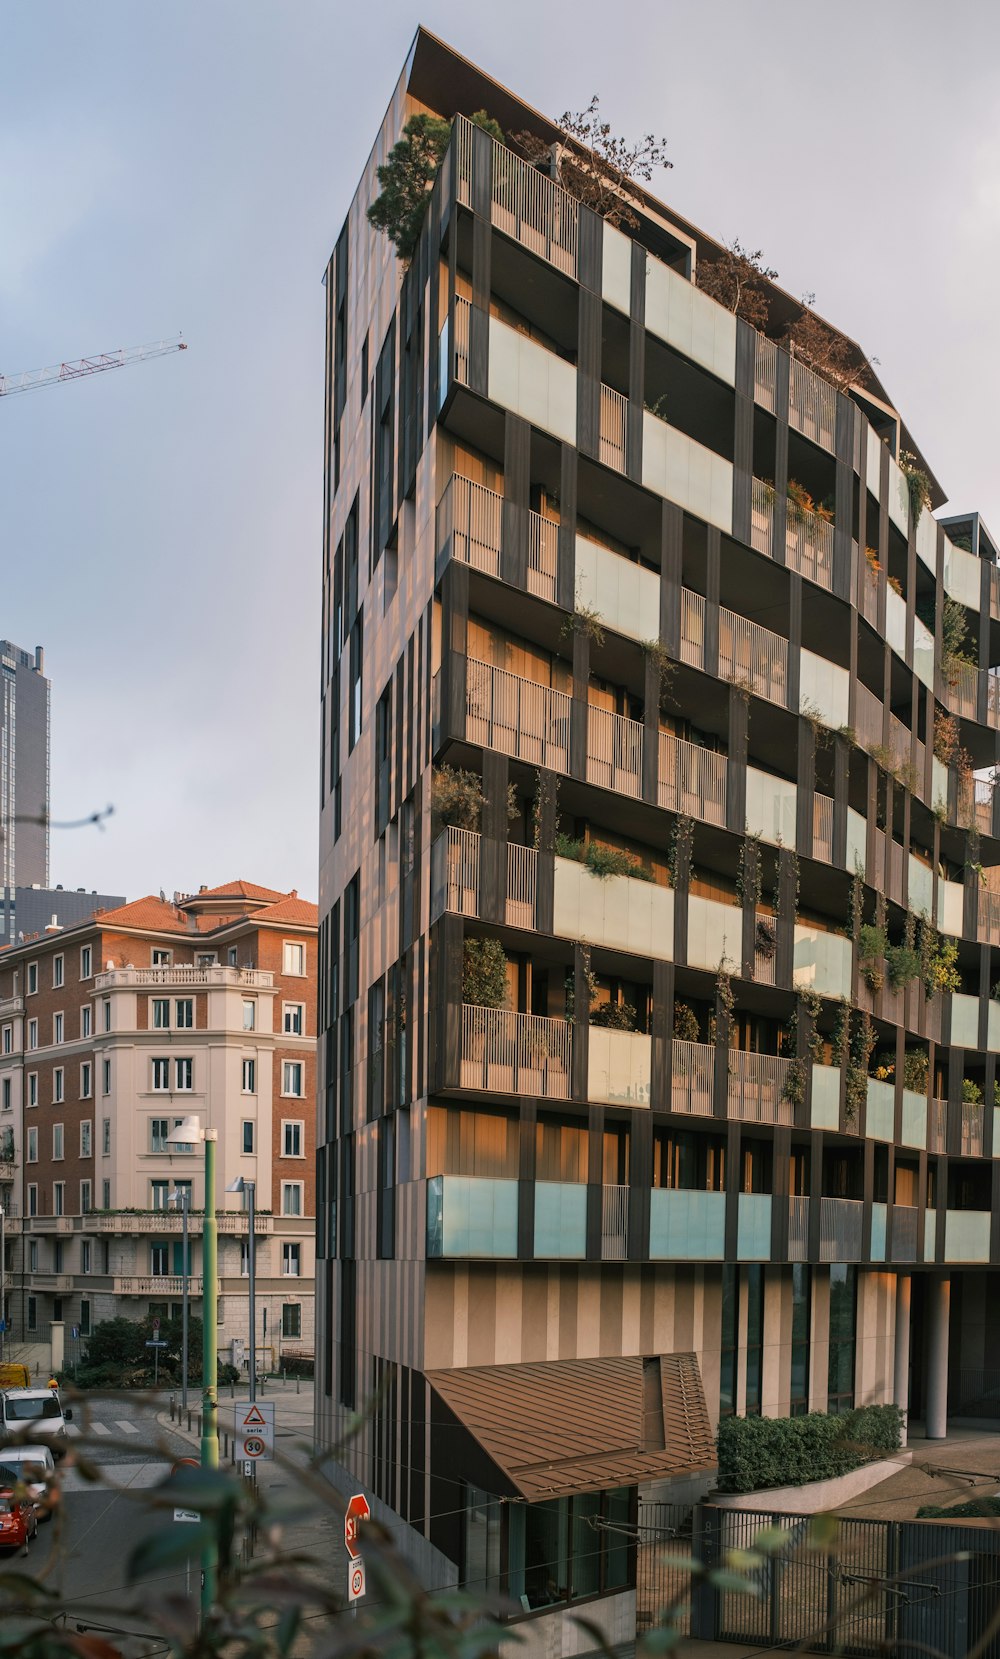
681	850
484	973
686	1027
946	737
457	798
765	939
665	668
750	871
658	407
871	554
972	1094
896	585
902	964
725	999
861	1042
918	483
614	1016
614	861
955	641
584	620
872	947
594	164
938	960
405	179
828	354
802	506
915	1069
738	279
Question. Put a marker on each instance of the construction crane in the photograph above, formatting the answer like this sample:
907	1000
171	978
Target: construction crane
32	380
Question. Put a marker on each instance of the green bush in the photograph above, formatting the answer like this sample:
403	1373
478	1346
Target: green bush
613	1016
484	973
973	1509
601	860
760	1452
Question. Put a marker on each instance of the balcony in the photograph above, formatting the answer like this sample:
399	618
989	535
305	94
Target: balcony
614	1223
825	1097
157	1284
692	1078
470	528
812	405
987	919
692	779
753	657
180	974
510	1053
868	717
471	1216
686	1226
455	877
624	592
967	1236
614	751
753	1235
823	828
619	1065
868	590
560	1220
880	1110
840	1226
809	546
519	717
905	1218
55	1284
619	912
961	689
158	1222
822	961
798	1229
937	1126
755	1088
524	204
613	449
765	372
972	1130
10	1006
8	1169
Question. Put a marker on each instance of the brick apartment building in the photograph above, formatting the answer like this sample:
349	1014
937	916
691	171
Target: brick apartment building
111	1032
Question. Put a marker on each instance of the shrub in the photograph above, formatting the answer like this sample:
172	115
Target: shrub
902	964
457	798
484	973
765	939
972	1094
756	1453
974	1509
614	1016
601	860
915	1070
872	946
686	1027
406	178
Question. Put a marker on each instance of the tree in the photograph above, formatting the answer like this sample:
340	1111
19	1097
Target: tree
738	279
593	164
406	178
829	354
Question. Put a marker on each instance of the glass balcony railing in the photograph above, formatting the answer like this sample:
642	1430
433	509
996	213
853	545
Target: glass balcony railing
471	1216
560	1220
686	1226
967	1236
753	1234
619	1067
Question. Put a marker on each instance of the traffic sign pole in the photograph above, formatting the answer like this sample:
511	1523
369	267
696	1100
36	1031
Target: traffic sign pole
358	1510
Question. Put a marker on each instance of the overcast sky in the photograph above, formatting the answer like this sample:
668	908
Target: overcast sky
186	167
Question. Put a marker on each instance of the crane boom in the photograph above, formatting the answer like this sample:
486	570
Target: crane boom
33	380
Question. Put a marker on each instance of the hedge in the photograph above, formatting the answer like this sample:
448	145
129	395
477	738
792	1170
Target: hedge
760	1452
974	1509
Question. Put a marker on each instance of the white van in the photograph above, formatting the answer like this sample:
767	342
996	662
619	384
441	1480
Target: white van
35	1467
34	1414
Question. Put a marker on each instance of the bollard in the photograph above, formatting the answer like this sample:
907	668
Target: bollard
232	1390
298	1388
189	1422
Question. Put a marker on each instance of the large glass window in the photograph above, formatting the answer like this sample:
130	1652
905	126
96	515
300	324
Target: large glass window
755	1338
568	1548
481	1542
730	1340
800	1339
843	1308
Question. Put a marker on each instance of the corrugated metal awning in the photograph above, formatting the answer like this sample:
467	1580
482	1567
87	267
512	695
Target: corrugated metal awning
563	1426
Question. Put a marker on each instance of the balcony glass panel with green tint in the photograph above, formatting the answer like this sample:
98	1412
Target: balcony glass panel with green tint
471	1216
914	1125
686	1226
879	1212
881	1110
825	1097
967	1236
753	1238
560	1220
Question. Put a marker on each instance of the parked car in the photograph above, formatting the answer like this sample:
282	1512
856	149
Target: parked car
36	1414
34	1468
18	1522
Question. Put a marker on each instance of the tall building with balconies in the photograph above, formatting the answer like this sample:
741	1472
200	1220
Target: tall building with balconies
112	1031
658	945
24	767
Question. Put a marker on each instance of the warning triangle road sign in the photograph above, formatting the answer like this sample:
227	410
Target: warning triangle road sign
254	1418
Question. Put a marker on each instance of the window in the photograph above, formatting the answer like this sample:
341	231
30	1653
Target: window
159	1260
291	1077
86	1080
106	1137
184	1014
58	1027
159	1192
291	1139
291	1260
249	1077
32	1146
57	1141
161	1074
840	1371
58	971
161	1013
160	958
207	959
244	1258
755	1338
355	703
107	1013
85	1201
106	1078
32	1198
33	1256
5	1095
105	1205
231	956
159	1129
32	1312
86	1138
58	1086
32	1088
730	1340
58	1198
294	958
86	961
291	1319
8	1039
291	1197
32	978
85	1326
86	1017
294	1018
180	1146
800	1339
32	1033
248	1135
249	1015
184	1073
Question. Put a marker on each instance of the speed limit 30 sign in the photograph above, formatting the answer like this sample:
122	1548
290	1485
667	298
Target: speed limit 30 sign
255	1428
356	1580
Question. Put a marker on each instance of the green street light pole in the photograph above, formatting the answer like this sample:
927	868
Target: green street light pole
209	1363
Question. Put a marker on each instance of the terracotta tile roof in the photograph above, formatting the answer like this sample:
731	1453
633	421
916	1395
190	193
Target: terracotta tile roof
290	909
565	1426
239	890
157	914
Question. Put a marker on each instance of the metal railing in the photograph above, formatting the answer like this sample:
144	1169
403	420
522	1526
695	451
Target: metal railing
455	871
755	1088
543	556
868	716
823	827
812	405
524	203
894	879
840	1226
993	699
962	689
463	324
983	805
809	547
692	628
522	885
798	1228
761	516
899	741
765	954
867	590
472	516
614	751
517	716
692	1077
937	1126
614	1223
988	916
515	1053
753	656
692	779
972	1129
613	450
765	375
904	1232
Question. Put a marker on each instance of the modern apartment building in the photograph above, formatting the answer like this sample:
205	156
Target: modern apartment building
658	1069
24	766
27	910
111	1032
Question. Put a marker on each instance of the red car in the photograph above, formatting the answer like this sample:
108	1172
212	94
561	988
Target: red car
18	1522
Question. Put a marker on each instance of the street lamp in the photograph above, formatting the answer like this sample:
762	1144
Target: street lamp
249	1189
188	1131
182	1196
3	1284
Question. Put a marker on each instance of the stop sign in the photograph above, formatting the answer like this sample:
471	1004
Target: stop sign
357	1510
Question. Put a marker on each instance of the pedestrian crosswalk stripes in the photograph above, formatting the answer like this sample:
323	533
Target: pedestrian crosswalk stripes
120	1425
115	1477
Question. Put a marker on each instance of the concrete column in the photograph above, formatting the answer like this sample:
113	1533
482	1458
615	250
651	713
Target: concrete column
901	1378
938	1305
58	1341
